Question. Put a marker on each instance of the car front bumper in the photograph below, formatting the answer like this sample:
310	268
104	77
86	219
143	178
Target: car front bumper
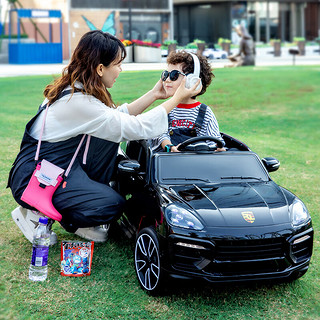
230	258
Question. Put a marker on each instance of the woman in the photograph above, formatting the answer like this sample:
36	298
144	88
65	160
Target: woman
79	103
246	54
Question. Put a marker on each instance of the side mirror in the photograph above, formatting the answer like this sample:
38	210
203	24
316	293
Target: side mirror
271	164
128	166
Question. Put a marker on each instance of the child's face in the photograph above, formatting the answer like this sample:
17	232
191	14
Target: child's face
171	86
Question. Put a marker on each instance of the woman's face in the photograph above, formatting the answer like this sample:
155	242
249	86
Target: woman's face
111	72
171	86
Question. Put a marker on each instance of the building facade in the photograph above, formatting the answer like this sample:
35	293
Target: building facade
127	19
182	20
211	19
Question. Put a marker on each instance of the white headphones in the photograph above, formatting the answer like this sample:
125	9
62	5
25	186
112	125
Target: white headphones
192	78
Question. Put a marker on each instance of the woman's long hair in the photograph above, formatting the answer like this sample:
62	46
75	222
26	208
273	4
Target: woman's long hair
94	47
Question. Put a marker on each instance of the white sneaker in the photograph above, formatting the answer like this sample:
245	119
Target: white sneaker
27	221
97	234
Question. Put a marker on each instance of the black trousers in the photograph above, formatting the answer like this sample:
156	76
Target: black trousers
84	202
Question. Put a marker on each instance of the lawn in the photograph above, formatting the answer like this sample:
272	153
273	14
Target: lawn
275	110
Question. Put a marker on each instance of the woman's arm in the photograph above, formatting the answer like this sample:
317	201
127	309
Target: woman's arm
139	105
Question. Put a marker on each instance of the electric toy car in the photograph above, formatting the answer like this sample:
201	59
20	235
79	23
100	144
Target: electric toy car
212	215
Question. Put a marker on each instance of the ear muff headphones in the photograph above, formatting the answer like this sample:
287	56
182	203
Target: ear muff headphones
192	78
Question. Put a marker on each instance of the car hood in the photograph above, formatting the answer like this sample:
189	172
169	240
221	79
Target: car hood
236	204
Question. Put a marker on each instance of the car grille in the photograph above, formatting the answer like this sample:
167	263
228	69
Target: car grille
249	249
248	256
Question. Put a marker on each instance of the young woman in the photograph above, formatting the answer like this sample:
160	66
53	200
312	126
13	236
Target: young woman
79	103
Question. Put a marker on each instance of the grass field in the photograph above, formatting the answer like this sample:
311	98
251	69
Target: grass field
275	110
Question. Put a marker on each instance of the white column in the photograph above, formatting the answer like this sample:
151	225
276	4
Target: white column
257	9
293	24
302	20
268	23
171	27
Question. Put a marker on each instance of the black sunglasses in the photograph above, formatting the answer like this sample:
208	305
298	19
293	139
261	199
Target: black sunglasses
173	75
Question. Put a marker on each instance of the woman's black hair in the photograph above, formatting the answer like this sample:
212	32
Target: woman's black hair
94	47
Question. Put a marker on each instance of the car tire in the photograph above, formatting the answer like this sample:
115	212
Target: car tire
223	56
147	261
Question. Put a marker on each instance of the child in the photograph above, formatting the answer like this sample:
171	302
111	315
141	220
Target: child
190	118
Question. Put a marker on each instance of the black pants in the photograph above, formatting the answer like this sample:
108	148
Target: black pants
83	202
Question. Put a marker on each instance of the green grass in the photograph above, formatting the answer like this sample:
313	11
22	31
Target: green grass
276	111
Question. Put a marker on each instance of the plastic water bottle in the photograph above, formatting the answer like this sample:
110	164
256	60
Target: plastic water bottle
39	262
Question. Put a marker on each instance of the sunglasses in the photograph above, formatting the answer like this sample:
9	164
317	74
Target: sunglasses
173	75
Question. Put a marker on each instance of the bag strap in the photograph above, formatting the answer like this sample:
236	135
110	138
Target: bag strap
41	133
74	156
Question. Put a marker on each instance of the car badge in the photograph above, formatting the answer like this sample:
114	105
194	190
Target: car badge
248	216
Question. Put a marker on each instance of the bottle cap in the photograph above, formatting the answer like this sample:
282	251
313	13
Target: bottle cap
43	220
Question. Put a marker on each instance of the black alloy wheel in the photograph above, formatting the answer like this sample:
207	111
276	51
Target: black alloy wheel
147	260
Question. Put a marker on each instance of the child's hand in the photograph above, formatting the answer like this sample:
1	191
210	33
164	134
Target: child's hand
174	149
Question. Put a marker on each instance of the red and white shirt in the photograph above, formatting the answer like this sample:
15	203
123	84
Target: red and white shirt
185	116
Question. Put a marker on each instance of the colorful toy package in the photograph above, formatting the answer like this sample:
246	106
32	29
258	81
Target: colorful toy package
76	258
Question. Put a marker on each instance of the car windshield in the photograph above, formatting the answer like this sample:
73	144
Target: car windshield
218	167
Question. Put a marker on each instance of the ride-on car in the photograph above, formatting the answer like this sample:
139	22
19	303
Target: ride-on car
211	215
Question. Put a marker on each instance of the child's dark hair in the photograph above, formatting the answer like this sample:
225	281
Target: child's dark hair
186	60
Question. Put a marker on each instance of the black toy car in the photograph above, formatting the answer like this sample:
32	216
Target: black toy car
212	215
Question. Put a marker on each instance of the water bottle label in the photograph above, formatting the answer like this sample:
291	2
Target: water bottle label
40	256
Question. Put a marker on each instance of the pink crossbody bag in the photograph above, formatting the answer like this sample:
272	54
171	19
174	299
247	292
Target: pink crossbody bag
45	180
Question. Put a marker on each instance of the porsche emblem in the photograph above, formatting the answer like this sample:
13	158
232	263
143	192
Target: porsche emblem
248	216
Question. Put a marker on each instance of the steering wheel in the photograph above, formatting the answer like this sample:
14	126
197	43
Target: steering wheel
183	146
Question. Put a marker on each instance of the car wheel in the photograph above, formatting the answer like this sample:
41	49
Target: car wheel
223	56
147	260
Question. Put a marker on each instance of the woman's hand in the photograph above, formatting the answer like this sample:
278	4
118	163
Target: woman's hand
159	92
184	93
138	106
181	94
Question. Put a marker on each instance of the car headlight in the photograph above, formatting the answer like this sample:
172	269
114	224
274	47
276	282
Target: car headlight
181	217
299	212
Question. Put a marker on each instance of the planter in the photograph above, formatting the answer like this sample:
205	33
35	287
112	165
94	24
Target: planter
147	54
226	47
201	47
129	57
301	47
277	48
172	48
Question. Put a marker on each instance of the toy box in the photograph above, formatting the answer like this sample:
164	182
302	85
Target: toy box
76	258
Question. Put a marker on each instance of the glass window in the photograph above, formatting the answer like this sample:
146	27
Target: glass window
121	4
220	167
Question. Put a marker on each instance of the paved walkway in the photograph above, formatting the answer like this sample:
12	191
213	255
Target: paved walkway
264	58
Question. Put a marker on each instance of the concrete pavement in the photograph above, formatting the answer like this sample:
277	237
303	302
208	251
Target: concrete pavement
264	57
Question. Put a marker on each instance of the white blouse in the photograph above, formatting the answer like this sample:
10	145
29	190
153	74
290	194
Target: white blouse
85	114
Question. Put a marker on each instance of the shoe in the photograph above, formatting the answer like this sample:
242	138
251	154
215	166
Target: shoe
97	234
27	220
